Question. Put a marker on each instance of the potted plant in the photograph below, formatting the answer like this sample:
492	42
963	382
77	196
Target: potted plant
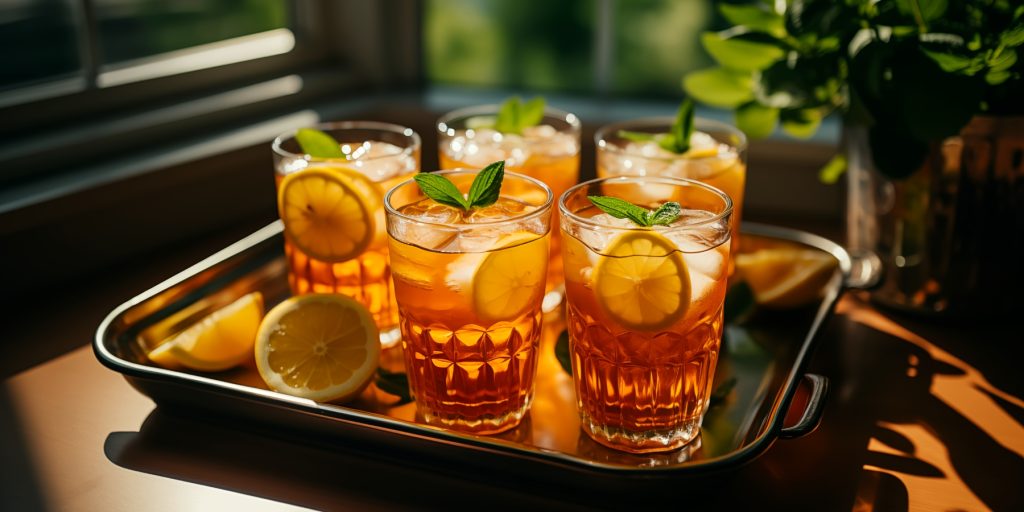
930	94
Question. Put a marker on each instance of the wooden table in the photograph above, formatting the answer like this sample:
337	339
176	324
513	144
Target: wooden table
922	416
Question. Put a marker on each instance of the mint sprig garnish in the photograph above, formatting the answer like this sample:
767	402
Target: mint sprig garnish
664	215
484	190
318	144
677	140
513	116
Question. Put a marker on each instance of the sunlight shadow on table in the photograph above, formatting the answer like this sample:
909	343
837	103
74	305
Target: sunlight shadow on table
963	429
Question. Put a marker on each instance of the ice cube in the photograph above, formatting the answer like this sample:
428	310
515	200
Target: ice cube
380	160
427	236
709	263
459	273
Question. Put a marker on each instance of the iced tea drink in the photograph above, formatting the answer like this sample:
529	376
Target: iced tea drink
333	213
549	152
469	286
645	310
717	157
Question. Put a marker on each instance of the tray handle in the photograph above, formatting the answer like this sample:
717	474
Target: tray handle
866	270
813	407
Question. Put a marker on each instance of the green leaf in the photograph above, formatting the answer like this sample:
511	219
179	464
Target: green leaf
995	77
318	144
508	115
562	352
486	185
830	173
667	141
394	383
754	17
721	392
532	113
756	120
948	62
719	87
1012	37
801	123
735	53
665	215
621	209
439	189
682	128
514	115
636	136
739	303
923	10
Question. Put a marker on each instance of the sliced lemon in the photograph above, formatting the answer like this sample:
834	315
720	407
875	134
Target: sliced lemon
786	277
702	152
323	347
327	214
641	281
219	341
511	278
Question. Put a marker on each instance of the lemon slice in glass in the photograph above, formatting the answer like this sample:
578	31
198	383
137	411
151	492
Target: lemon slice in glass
511	278
328	214
641	281
219	341
323	347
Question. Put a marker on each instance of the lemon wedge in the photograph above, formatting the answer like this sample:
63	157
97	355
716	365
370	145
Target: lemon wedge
219	341
511	278
323	347
786	277
329	213
641	281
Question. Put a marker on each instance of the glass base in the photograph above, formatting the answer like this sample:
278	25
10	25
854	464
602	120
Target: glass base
485	425
643	441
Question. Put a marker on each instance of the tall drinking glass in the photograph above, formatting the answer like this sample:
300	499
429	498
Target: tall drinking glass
645	310
717	157
333	213
469	287
549	152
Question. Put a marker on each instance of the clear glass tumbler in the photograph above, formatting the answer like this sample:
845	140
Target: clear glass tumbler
469	287
645	309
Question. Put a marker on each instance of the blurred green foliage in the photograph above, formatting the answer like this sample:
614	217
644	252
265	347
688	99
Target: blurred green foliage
551	45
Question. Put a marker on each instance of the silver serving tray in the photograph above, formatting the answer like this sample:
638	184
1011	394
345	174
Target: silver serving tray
773	396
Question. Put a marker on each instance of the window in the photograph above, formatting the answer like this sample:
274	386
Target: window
588	46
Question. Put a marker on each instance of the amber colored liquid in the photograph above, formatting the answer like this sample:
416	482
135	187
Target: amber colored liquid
643	391
366	278
559	173
466	372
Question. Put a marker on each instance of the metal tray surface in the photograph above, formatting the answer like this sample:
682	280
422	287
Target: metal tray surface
772	397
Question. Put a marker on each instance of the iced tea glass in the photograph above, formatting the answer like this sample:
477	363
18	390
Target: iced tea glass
717	157
549	152
644	310
469	287
377	155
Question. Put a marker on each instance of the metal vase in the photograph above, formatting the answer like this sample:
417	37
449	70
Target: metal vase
950	236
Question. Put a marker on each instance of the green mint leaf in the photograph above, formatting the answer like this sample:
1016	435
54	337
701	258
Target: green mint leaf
682	128
318	144
665	215
394	383
621	209
835	168
486	185
721	392
439	189
532	113
562	352
636	136
667	141
720	87
508	116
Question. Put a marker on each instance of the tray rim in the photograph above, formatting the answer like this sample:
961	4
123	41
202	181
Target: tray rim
437	435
